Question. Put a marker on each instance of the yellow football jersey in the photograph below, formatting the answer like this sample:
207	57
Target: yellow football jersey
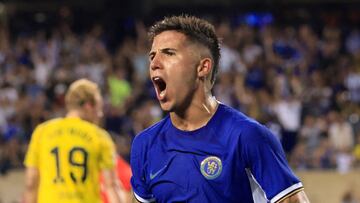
357	152
70	153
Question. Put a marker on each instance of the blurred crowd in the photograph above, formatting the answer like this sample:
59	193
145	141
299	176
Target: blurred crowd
302	82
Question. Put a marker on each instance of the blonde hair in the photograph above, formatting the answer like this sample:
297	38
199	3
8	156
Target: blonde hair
80	92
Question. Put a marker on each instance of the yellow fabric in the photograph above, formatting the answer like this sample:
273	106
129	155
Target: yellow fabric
357	152
70	153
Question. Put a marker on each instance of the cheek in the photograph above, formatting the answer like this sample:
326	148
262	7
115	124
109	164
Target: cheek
182	74
184	81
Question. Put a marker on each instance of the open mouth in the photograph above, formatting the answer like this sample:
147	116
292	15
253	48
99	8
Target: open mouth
160	86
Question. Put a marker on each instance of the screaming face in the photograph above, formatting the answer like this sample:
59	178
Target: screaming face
173	69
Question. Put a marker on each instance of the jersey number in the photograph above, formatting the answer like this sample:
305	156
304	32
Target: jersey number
75	151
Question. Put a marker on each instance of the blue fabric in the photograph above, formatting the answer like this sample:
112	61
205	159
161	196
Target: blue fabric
166	162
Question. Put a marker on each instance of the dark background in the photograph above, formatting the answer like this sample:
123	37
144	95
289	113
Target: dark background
118	17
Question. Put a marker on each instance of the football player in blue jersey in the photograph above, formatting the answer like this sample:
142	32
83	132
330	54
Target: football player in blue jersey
203	151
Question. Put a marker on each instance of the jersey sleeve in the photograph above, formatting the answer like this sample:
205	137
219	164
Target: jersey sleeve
107	158
138	179
267	166
32	156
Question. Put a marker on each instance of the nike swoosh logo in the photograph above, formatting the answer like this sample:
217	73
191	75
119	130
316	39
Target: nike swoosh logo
153	175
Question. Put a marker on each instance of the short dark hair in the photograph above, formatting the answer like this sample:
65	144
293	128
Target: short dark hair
196	29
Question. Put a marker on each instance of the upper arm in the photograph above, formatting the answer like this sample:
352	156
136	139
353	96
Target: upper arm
299	197
267	163
139	177
32	177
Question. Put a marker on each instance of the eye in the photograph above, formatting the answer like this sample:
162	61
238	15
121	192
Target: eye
151	56
168	51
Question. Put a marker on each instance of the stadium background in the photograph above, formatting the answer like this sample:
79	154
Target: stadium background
293	65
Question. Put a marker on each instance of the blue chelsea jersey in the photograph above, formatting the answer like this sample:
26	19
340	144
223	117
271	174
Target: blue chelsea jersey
231	159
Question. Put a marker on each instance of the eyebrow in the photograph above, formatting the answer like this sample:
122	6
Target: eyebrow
164	50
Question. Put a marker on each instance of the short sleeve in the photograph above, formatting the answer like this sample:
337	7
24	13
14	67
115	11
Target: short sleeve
266	164
107	158
32	156
138	179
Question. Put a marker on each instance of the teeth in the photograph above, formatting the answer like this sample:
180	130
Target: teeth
162	93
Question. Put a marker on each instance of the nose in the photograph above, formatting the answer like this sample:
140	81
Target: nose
155	63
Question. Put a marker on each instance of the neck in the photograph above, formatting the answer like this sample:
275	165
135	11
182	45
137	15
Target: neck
196	115
73	114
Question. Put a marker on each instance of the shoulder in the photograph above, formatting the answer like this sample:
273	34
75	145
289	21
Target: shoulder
143	140
89	127
92	130
102	132
253	129
254	135
240	122
45	126
256	140
49	123
232	116
248	129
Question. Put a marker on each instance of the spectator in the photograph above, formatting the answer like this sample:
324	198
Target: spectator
265	71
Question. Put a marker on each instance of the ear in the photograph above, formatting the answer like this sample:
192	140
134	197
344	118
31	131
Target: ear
205	67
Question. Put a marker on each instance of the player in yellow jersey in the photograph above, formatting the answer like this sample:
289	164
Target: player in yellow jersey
66	155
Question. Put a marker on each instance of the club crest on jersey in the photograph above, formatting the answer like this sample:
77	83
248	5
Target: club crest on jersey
211	167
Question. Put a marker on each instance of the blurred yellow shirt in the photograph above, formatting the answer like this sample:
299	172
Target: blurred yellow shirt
357	152
69	154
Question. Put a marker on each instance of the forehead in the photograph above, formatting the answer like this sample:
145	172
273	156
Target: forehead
169	39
